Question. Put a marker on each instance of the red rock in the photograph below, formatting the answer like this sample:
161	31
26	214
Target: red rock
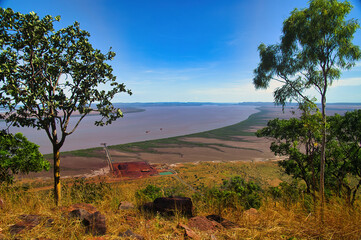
94	222
28	222
189	233
203	224
251	214
224	222
88	207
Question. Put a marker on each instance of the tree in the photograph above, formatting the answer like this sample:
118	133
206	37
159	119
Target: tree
316	44
18	155
297	138
345	151
46	76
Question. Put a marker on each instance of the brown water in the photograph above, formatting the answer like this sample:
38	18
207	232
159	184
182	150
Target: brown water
154	123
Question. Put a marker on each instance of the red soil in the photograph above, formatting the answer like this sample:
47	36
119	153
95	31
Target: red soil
133	170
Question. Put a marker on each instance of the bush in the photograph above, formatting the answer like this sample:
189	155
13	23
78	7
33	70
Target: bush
288	193
82	191
234	193
148	194
18	155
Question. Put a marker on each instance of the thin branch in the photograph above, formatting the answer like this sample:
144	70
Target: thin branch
77	124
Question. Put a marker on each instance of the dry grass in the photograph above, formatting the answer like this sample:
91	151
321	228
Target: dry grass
273	220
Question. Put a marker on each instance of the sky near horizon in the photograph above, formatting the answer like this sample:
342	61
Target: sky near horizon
189	50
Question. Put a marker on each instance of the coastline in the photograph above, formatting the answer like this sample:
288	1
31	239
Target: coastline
153	123
235	142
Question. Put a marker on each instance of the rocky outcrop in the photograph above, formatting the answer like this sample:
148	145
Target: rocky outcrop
188	232
202	223
224	222
28	222
92	219
125	206
170	206
209	225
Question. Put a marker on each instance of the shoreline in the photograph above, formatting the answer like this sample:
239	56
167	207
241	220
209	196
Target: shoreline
174	150
235	142
154	123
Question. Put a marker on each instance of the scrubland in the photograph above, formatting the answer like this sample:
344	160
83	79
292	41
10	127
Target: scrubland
285	211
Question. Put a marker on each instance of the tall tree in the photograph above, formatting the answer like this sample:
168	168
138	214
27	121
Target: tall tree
316	45
46	76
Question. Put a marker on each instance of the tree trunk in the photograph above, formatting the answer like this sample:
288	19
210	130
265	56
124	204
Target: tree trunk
323	157
57	186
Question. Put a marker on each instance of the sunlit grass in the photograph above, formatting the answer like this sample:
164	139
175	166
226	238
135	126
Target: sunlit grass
280	220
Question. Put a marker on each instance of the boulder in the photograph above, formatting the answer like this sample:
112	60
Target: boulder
82	215
189	233
125	206
204	224
97	224
148	207
172	205
224	222
28	222
251	211
94	222
251	214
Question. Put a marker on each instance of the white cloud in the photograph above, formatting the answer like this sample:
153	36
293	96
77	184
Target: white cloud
355	81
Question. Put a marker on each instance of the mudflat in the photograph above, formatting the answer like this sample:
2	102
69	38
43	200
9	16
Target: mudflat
236	142
153	123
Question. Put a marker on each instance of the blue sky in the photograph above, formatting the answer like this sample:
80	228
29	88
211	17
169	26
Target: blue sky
189	50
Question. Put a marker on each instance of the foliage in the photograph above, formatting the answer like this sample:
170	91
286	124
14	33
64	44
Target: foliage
149	193
234	193
48	75
18	155
316	44
344	152
298	139
288	192
88	192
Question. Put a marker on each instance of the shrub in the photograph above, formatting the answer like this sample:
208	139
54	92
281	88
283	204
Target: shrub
234	193
88	192
149	193
288	193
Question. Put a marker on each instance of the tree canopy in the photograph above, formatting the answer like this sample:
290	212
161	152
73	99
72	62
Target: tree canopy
316	45
298	139
18	155
48	75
